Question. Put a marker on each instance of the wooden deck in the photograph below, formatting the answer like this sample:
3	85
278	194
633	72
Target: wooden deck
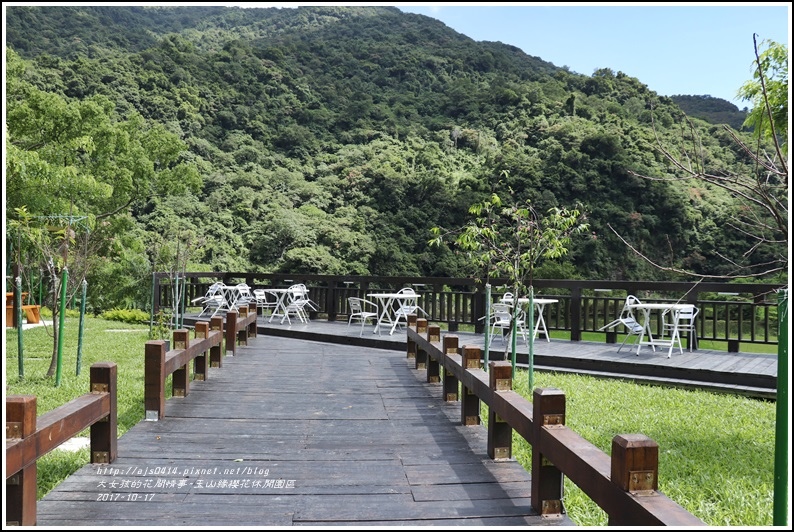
750	374
314	425
296	432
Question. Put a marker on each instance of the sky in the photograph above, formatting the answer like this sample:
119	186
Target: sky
673	48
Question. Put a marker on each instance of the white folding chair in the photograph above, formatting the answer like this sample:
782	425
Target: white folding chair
627	319
213	299
674	322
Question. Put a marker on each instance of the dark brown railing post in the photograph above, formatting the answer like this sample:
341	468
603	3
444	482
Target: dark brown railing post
470	403
433	335
104	433
231	333
242	332
421	354
450	382
500	433
252	325
180	383
21	487
200	363
216	360
635	468
576	313
154	380
548	408
411	343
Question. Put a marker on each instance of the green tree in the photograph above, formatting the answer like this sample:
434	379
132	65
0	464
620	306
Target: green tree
510	240
768	93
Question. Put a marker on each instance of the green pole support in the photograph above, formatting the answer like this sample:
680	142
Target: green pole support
61	320
513	333
780	499
182	302
487	324
82	328
18	317
531	354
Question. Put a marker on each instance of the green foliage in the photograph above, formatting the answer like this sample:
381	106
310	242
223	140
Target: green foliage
774	60
126	315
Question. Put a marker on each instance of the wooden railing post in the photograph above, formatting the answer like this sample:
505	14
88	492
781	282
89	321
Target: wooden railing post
154	380
500	433
548	408
411	344
21	487
421	354
200	366
242	332
635	468
231	333
450	383
216	360
104	433
180	383
576	314
470	403
433	335
252	325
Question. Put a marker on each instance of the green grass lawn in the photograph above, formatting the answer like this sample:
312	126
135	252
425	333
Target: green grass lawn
716	450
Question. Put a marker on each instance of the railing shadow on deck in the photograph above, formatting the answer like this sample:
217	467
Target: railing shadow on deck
625	486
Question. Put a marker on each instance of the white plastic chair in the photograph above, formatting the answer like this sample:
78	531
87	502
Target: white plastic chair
674	322
502	318
361	310
244	295
212	299
297	302
408	305
627	319
265	300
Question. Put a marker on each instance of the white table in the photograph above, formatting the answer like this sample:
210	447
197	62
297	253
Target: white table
646	309
386	302
280	308
540	304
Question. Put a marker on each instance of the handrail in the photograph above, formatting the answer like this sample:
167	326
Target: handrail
732	313
625	486
159	363
29	438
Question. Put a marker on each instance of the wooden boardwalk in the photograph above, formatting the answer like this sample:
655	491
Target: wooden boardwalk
296	432
314	425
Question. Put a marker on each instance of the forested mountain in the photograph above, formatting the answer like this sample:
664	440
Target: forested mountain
331	140
712	110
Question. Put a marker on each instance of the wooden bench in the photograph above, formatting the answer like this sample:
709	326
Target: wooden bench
32	313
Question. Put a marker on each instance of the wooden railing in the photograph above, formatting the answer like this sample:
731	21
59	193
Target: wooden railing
625	486
29	438
732	313
204	351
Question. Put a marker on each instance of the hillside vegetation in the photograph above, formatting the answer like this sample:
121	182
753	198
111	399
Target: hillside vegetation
331	140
